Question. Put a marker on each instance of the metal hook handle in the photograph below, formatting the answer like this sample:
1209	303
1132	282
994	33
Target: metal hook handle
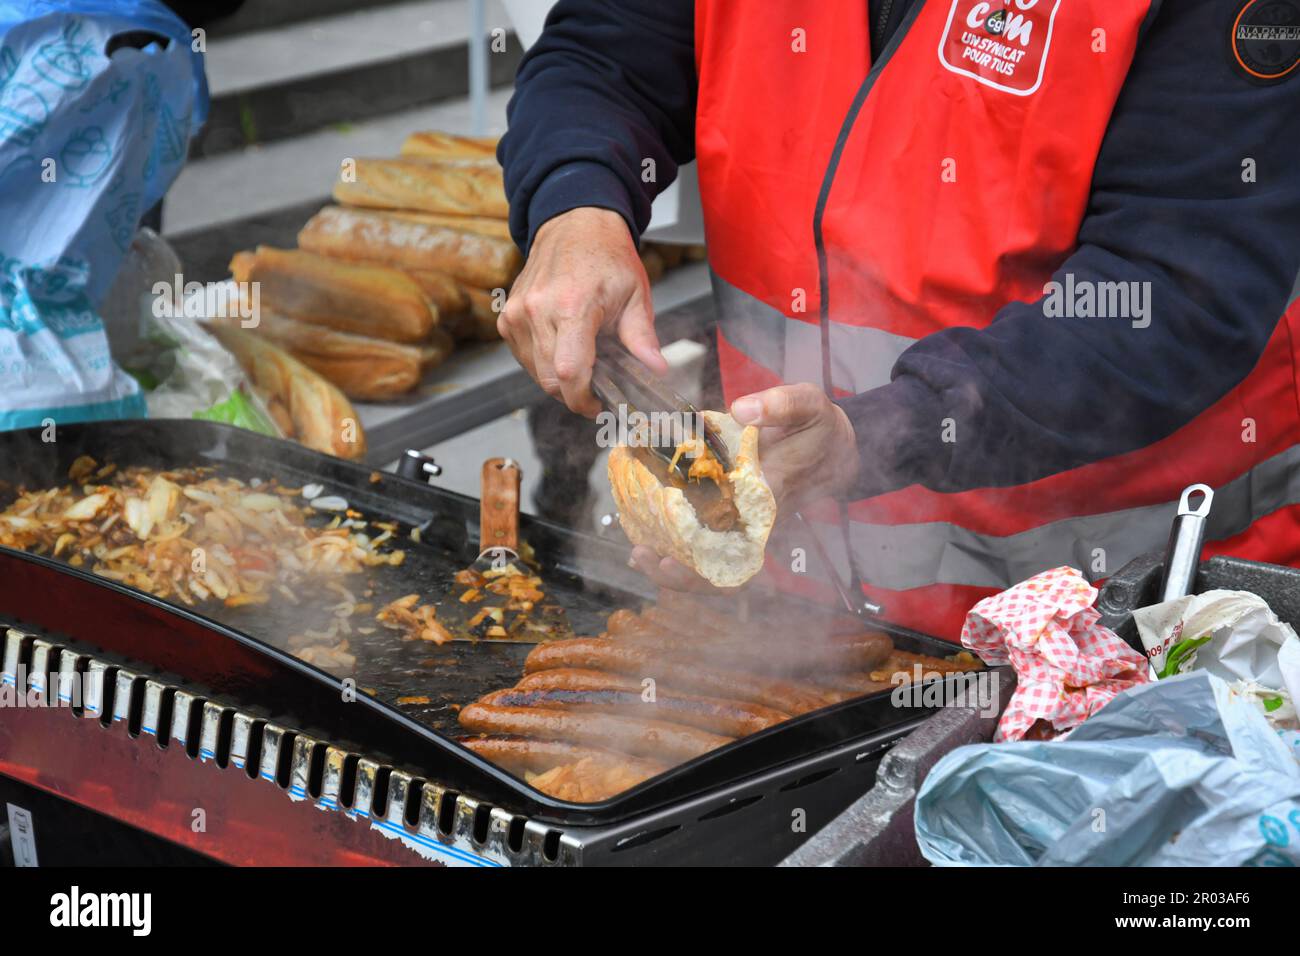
1186	538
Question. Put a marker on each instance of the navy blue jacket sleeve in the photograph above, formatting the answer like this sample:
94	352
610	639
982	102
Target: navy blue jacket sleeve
1032	396
609	85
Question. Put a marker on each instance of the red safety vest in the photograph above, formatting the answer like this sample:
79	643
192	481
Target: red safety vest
914	240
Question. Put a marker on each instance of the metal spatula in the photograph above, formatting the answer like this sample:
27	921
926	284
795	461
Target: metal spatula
499	596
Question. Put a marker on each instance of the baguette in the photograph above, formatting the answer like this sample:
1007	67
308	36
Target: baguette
653	263
464	187
478	323
442	290
482	225
364	234
671	253
323	419
436	350
671	520
364	368
363	299
442	145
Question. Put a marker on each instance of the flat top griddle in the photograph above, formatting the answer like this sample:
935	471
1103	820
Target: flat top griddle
244	651
388	667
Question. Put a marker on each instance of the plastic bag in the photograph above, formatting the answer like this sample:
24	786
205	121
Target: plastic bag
98	101
1179	772
157	336
1233	635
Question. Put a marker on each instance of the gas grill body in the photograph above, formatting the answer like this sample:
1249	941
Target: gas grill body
238	787
210	735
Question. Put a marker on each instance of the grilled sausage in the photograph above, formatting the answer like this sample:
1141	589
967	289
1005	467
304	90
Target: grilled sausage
719	615
644	738
577	678
903	664
574	678
854	685
620	620
862	651
524	754
722	614
628	657
726	717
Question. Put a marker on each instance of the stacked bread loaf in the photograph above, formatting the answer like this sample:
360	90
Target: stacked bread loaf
415	257
437	213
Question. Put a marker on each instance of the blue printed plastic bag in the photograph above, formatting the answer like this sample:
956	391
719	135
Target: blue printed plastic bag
1180	772
95	121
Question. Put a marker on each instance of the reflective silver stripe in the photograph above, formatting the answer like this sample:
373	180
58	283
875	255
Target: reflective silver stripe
899	557
861	358
905	556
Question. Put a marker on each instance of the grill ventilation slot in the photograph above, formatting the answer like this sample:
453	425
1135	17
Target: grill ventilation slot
337	779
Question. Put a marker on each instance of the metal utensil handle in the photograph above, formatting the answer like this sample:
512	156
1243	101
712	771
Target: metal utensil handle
1186	537
499	507
857	605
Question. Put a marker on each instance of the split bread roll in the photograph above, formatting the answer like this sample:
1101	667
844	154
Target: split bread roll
464	187
371	300
323	419
364	368
661	517
365	234
442	145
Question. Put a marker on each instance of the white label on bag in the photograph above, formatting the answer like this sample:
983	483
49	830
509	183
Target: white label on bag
23	836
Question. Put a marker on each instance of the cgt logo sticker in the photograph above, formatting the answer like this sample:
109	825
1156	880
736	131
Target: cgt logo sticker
1266	39
1000	43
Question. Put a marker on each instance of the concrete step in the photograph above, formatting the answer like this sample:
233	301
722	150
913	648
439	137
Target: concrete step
274	84
234	200
266	14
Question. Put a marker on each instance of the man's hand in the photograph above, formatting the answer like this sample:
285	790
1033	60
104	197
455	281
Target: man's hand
807	447
583	275
806	443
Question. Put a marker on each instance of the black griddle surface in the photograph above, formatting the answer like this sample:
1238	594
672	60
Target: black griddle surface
388	667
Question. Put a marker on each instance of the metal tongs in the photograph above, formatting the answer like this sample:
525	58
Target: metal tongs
625	386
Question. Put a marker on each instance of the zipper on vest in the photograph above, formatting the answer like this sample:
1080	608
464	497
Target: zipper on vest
882	24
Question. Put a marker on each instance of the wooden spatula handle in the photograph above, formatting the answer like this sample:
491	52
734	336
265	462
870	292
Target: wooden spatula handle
499	508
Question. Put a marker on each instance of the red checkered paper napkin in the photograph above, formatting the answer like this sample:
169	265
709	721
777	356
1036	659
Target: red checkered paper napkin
1067	665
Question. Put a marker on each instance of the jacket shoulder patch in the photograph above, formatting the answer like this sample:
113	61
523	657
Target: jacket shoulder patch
1265	39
